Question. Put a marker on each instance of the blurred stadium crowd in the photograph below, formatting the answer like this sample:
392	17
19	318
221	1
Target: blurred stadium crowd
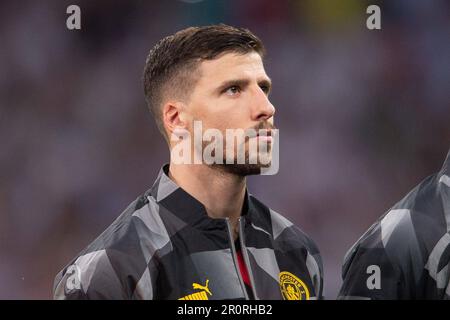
363	117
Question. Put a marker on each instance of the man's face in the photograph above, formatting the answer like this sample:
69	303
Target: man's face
232	93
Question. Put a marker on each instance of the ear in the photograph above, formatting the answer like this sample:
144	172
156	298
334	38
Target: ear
173	116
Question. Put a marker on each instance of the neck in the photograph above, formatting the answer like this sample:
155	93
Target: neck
220	192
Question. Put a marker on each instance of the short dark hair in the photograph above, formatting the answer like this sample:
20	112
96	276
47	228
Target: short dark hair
171	64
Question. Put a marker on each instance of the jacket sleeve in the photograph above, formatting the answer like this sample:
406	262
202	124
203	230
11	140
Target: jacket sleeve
368	274
90	276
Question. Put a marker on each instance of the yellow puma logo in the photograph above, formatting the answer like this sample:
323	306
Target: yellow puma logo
200	295
205	287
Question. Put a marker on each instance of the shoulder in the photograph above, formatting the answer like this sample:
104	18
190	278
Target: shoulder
284	230
406	235
111	266
414	223
290	239
122	232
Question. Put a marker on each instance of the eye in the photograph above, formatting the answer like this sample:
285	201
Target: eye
233	90
264	88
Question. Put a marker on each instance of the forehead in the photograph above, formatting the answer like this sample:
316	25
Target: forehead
232	65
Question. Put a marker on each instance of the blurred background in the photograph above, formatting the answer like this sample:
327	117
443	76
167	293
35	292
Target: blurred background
363	116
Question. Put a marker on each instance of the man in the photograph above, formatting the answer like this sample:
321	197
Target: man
197	233
406	254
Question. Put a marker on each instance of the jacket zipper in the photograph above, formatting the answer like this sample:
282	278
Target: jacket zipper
234	255
246	258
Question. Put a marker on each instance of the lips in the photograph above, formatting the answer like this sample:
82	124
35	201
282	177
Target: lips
263	133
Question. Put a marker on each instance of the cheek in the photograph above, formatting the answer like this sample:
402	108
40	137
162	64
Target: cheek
229	119
218	114
213	122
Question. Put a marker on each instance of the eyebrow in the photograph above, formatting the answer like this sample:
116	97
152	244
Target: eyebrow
243	83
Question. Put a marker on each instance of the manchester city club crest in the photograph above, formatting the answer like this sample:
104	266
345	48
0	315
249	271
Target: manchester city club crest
292	288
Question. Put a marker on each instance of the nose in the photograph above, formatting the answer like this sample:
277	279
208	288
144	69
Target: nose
262	107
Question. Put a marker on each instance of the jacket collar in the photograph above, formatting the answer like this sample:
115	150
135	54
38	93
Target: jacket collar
187	208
